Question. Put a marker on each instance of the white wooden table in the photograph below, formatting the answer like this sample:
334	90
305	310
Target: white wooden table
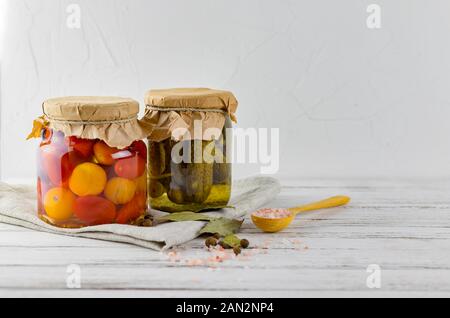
403	227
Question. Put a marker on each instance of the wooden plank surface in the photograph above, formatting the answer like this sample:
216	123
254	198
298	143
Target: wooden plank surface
403	227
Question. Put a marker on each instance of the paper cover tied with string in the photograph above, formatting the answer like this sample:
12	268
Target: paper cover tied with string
171	109
111	119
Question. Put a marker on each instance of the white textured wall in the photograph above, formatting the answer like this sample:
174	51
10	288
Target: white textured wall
350	101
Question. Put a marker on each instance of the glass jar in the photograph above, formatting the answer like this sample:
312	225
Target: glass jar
85	182
191	174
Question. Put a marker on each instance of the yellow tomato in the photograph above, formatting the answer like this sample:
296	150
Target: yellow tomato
120	190
141	183
88	179
58	204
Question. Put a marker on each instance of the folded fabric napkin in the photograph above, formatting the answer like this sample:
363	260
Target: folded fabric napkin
18	207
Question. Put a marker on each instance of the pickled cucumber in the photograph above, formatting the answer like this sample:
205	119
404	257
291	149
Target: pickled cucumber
199	176
199	182
156	166
156	189
177	195
222	173
222	170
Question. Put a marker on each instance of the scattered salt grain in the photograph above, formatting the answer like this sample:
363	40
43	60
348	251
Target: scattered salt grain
216	257
174	257
194	262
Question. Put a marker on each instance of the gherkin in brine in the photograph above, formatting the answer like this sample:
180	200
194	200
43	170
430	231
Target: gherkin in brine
222	169
199	176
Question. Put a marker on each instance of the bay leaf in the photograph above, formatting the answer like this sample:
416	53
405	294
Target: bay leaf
222	226
232	240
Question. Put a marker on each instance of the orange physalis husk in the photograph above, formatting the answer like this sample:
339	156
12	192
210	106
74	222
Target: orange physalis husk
38	125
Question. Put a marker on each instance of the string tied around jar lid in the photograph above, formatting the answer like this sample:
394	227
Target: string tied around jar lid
185	109
89	122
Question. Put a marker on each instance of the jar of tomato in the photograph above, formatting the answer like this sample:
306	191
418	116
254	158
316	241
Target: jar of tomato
190	145
91	162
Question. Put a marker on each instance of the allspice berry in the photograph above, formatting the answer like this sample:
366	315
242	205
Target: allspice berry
245	243
224	245
139	221
211	242
147	223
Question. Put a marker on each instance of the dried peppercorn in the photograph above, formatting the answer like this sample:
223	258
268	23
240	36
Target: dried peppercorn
245	243
147	223
211	242
139	221
224	245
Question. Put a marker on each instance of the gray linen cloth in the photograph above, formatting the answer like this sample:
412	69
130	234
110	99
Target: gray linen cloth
18	207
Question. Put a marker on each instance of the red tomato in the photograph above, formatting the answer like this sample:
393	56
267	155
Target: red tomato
104	153
95	210
82	146
140	147
133	209
130	168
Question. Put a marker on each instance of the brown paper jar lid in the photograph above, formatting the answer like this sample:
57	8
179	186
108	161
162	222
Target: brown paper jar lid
111	119
193	98
91	109
170	109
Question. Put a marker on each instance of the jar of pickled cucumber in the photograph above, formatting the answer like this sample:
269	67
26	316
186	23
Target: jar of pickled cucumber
190	148
92	162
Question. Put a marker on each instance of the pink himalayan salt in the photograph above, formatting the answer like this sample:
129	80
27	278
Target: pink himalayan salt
273	213
195	262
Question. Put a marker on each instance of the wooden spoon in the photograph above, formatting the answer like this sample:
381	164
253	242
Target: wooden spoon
271	225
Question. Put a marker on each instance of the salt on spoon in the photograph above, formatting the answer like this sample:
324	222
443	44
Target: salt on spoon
276	220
